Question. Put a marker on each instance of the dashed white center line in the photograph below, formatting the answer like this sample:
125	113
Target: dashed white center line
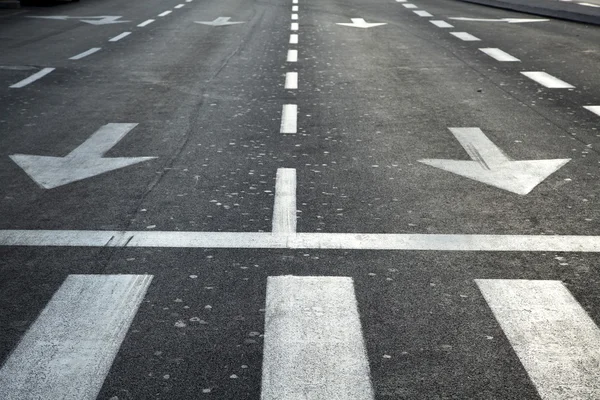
165	13
409	5
292	55
291	80
294	26
422	13
547	80
294	17
289	118
589	5
499	55
85	53
284	208
400	1
32	78
594	109
119	37
467	37
295	8
293	38
294	1
147	22
179	5
441	24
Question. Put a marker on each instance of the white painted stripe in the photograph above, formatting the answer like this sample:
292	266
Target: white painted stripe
441	24
119	37
294	26
294	1
294	17
467	37
422	13
179	6
409	5
291	80
295	8
284	210
147	22
292	56
547	80
40	74
314	346
289	118
499	55
69	349
589	5
165	13
594	109
555	339
400	1
293	38
85	53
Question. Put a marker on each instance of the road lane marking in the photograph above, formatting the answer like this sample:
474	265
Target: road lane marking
119	37
594	109
295	8
292	56
499	55
284	209
165	13
401	1
294	26
409	5
294	1
289	118
294	17
555	339
467	37
85	53
69	349
293	38
314	346
179	5
547	80
422	13
441	24
147	22
291	80
589	5
38	75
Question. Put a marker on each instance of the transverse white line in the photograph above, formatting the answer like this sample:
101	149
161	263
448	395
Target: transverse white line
313	346
85	53
292	56
499	55
291	80
294	17
293	38
467	37
165	13
119	37
147	22
594	109
422	13
69	349
294	26
289	118
409	5
294	8
441	24
547	80
32	78
179	5
555	339
284	210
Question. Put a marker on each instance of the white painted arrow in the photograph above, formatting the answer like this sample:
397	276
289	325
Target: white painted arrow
361	23
221	21
83	162
97	20
509	20
492	167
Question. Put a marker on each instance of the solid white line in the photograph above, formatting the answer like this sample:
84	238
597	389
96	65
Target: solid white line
294	17
467	37
594	109
147	22
70	347
422	13
313	346
85	53
589	5
499	55
295	8
284	210
32	78
294	26
292	56
547	80
289	118
165	13
441	24
409	5
119	37
293	38
291	80
555	339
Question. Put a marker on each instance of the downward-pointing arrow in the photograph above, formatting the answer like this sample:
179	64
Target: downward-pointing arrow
360	23
219	22
491	166
83	162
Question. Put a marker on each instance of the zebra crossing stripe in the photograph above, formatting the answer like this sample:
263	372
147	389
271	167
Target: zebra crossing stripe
70	348
314	346
555	339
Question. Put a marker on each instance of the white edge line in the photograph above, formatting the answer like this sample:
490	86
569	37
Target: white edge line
32	78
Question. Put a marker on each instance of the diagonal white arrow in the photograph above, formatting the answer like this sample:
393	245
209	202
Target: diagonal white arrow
83	162
361	23
220	21
97	20
509	20
491	166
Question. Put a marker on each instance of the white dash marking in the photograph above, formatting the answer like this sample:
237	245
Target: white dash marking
409	5
294	26
400	1
147	22
38	75
547	80
119	37
293	38
594	109
555	339
499	55
292	56
291	80
294	17
179	6
441	24
295	8
70	347
284	210
165	13
467	37
314	346
289	118
294	1
422	13
85	53
589	5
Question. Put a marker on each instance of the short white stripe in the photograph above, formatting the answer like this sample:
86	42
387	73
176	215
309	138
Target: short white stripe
165	13
294	17
294	8
441	24
291	80
313	346
85	53
284	209
555	339
119	37
147	22
32	78
499	55
594	109
400	1
422	13
294	26
69	349
293	38
547	80
292	55
294	1
467	37
589	5
409	5
289	118
179	5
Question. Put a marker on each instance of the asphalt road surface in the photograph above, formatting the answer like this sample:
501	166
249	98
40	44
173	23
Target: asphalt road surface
298	199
